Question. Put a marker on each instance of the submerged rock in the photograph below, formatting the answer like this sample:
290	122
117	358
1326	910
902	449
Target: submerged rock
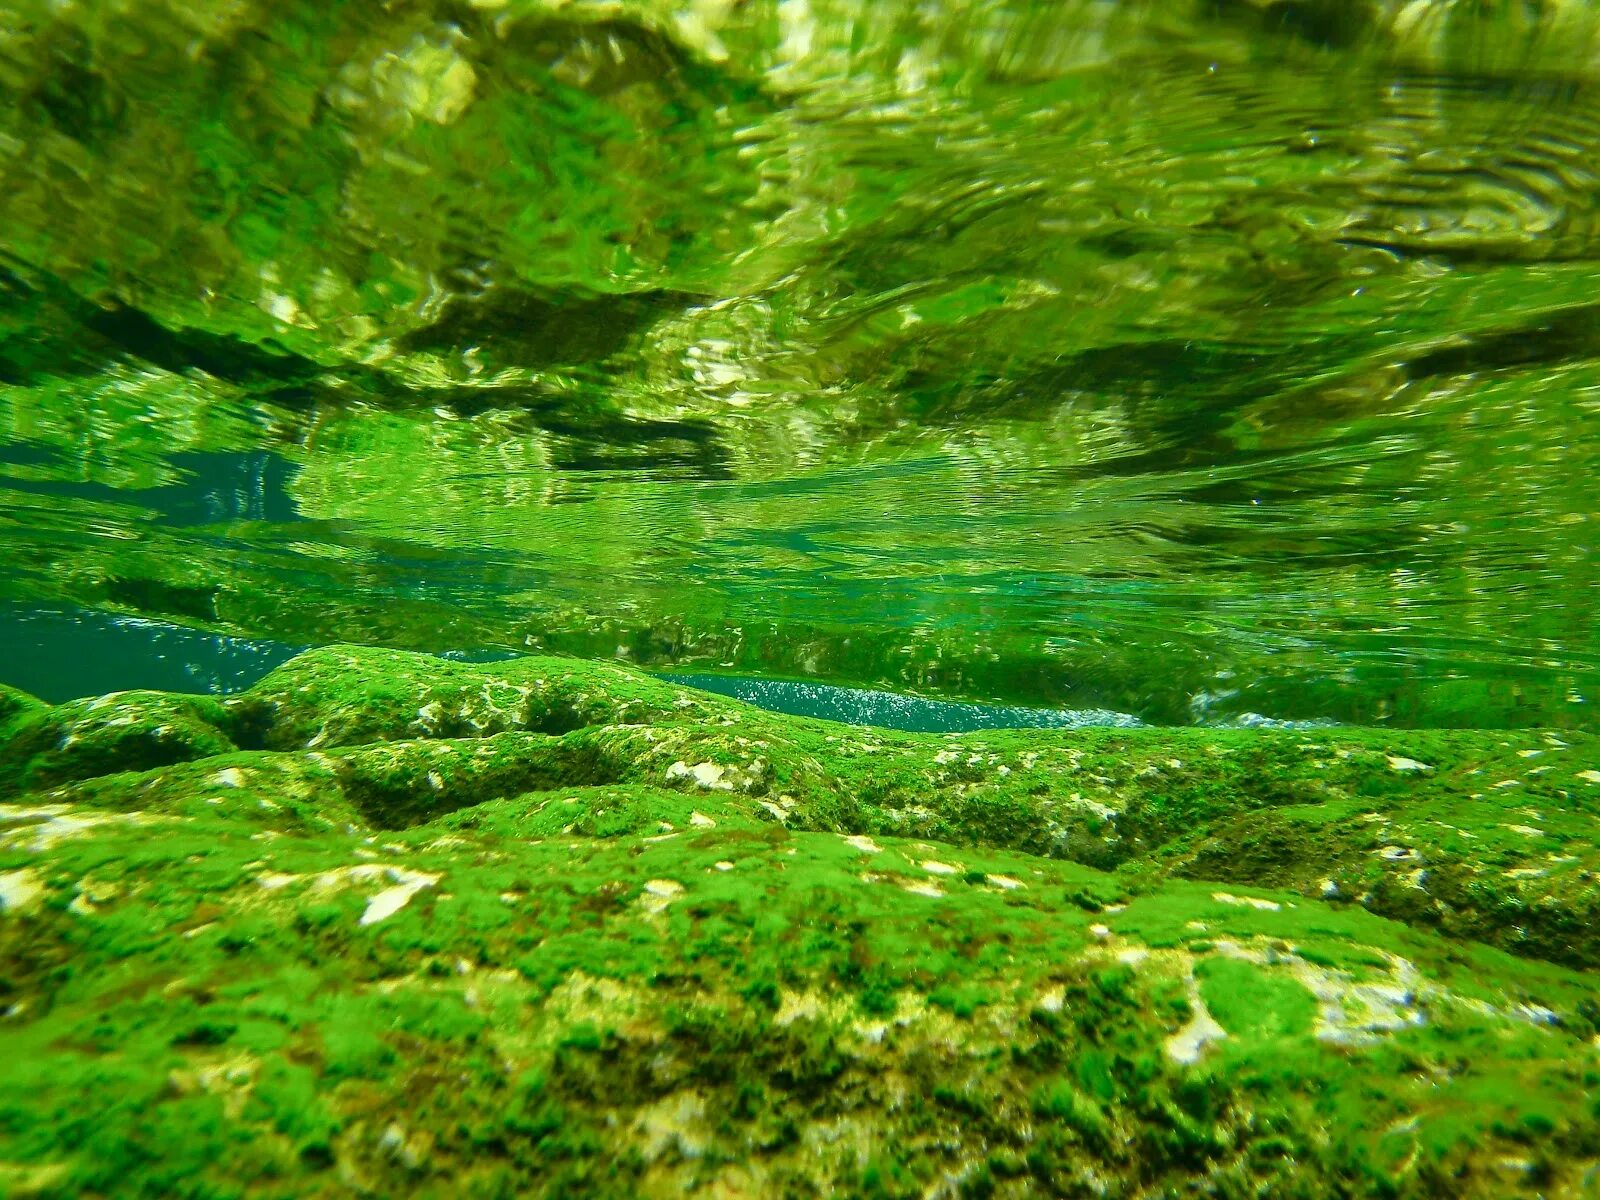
392	925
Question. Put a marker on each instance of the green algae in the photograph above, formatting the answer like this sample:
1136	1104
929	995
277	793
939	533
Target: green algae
14	707
547	927
122	732
1194	360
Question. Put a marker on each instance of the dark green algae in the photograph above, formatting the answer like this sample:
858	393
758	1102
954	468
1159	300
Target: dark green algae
386	924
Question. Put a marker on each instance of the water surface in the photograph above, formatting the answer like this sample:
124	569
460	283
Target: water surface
1182	361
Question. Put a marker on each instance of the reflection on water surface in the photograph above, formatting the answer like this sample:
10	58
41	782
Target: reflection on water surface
1178	360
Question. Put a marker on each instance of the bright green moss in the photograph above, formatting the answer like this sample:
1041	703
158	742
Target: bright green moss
127	731
1255	1002
621	959
15	704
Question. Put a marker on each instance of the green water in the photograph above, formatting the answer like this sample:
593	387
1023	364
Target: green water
1178	360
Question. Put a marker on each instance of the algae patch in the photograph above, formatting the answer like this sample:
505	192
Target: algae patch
522	955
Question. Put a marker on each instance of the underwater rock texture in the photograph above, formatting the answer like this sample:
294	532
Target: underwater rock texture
388	924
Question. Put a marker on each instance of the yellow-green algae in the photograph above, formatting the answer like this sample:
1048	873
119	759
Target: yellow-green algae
386	924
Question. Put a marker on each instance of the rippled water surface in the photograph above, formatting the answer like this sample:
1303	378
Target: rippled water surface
1184	361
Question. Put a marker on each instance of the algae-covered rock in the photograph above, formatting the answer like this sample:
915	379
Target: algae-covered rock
13	705
548	927
353	695
125	731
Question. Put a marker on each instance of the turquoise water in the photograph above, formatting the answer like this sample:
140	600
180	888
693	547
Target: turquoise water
59	656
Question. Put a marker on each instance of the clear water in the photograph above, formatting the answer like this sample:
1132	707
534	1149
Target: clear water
1181	361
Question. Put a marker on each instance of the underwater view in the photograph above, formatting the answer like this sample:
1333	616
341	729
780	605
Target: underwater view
792	598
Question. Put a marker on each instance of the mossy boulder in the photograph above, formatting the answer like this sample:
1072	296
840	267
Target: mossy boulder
14	700
550	928
125	731
15	704
353	695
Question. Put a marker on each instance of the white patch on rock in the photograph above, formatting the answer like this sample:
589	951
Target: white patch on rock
1005	882
19	890
279	305
708	775
229	777
1354	1012
1189	1043
658	893
795	1006
1589	776
1103	811
939	868
1349	1011
405	883
1246	901
924	889
700	821
1524	830
863	843
409	1152
38	828
392	899
1397	763
674	1125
